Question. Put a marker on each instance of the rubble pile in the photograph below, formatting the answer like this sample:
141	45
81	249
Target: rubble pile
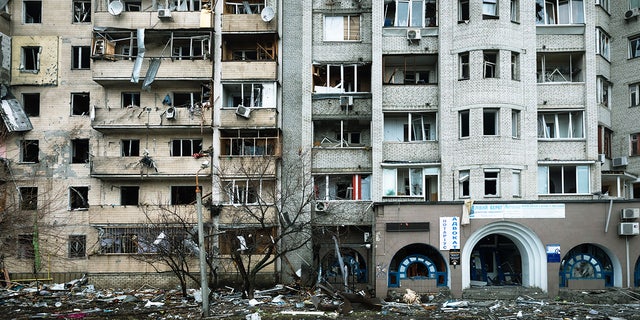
79	300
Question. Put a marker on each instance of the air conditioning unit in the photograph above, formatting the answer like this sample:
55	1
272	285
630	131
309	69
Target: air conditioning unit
413	34
243	111
601	157
629	228
164	13
620	161
632	13
321	206
630	213
346	101
171	113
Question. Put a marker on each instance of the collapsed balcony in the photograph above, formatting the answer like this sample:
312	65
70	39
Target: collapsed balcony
252	56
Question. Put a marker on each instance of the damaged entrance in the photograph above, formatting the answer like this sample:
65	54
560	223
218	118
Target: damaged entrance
420	263
586	266
495	261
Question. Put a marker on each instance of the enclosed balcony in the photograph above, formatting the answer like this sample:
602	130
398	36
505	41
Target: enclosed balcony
252	56
134	14
249	16
145	167
166	118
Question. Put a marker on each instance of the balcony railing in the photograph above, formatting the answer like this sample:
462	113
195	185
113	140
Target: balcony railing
169	70
338	159
257	118
247	23
255	70
161	167
198	118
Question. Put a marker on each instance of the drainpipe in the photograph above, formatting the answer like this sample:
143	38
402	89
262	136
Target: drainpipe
606	226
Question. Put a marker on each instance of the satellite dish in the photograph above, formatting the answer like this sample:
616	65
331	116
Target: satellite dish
267	14
116	7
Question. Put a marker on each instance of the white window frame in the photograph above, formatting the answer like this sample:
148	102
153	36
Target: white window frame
582	179
238	191
464	180
561	125
391	185
496	121
419	127
490	8
77	57
554	14
338	28
516	183
490	67
515	123
515	10
604	4
492	176
634	94
515	66
603	91
37	53
463	66
411	18
634	47
603	44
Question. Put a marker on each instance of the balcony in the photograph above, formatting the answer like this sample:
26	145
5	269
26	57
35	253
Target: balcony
149	19
257	70
123	215
105	71
246	167
341	159
409	96
247	23
236	214
343	213
256	118
126	119
161	167
249	56
416	151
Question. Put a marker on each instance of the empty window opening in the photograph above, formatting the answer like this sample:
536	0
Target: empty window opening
342	28
80	103
28	198
563	179
552	12
463	183
342	134
77	246
256	47
30	59
81	57
464	124
189	47
181	195
490	122
186	99
82	11
29	151
244	7
491	182
491	64
250	143
410	127
80	151
412	69
161	239
130	148
133	6
130	99
342	187
560	67
129	195
463	11
25	248
463	66
32	11
79	198
185	147
342	78
490	9
561	125
247	94
31	103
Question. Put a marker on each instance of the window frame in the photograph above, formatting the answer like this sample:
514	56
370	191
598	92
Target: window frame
545	179
549	13
78	198
192	146
491	125
27	148
515	123
464	11
490	9
634	47
604	4
605	139
574	70
79	8
516	183
243	191
30	53
603	91
515	66
333	33
409	175
490	64
31	103
603	44
463	66
560	122
464	124
634	144
634	95
25	8
464	183
427	129
130	99
491	180
80	57
514	11
77	246
80	146
80	103
130	148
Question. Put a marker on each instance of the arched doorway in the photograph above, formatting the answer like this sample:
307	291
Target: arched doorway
532	254
586	262
420	263
495	261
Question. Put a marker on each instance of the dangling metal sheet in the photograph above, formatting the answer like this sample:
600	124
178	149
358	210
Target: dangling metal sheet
154	65
135	75
15	119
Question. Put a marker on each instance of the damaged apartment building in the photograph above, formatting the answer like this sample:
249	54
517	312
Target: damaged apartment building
448	144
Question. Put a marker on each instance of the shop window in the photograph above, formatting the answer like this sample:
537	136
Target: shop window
490	9
29	151
490	122
491	183
129	195
463	121
31	103
490	64
28	198
81	58
342	28
563	179
24	248
185	147
32	11
80	103
30	59
130	148
561	125
79	150
79	198
464	183
463	66
77	246
181	195
463	11
554	12
130	99
634	47
81	11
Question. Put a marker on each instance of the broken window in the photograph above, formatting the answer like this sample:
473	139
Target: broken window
31	104
77	246
80	151
411	13
560	67
342	187
186	99
515	10
249	94
129	195
132	6
490	66
81	11
463	66
410	69
250	47
634	94
342	28
29	151
603	47
603	91
185	147
189	47
515	66
24	248
244	7
515	183
81	57
634	47
248	240
163	239
634	140
30	59
80	103
411	182
340	78
605	136
463	118
490	9
79	198
32	11
243	191
561	125
463	183
249	143
130	148
342	133
563	179
410	127
490	122
130	99
515	123
463	11
28	198
552	12
181	195
491	182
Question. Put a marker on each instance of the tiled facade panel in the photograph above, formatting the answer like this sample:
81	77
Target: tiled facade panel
341	159
562	150
411	151
560	43
561	95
